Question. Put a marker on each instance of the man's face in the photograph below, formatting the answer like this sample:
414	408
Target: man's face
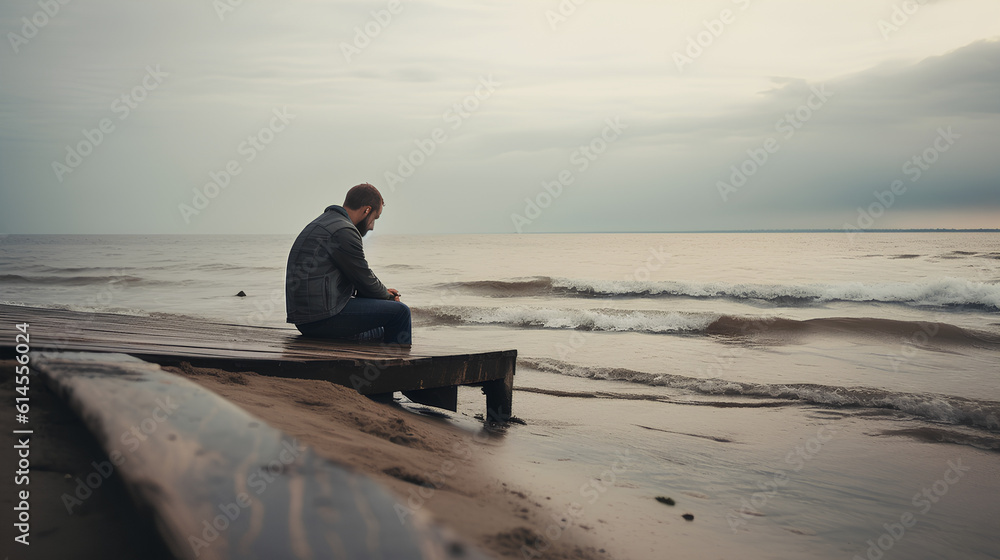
368	222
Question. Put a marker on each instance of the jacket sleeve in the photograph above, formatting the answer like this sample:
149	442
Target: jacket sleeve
349	257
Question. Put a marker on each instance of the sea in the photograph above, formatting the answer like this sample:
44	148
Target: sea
801	395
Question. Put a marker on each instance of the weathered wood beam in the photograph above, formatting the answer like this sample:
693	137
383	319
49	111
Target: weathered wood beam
222	484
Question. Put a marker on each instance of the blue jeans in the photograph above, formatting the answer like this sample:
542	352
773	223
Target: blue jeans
361	316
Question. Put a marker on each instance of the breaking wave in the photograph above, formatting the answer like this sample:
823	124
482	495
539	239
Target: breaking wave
935	407
78	280
944	292
673	322
131	311
610	320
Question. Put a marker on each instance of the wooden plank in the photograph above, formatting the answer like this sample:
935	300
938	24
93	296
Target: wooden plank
221	483
442	397
183	334
365	377
370	369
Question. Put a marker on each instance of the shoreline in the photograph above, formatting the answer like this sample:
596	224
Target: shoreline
436	466
581	479
622	232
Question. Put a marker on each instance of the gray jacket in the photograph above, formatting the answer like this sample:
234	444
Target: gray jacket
326	267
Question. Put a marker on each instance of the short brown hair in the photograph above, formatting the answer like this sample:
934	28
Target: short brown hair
363	195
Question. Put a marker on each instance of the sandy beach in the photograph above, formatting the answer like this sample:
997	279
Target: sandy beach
562	485
447	470
436	468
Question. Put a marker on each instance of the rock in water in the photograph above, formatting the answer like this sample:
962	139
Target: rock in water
688	517
664	500
241	294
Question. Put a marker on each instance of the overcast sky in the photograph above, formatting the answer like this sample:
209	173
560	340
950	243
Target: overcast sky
657	116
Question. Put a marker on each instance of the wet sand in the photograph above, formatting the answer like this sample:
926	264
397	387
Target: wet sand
762	481
445	468
581	478
438	468
761	478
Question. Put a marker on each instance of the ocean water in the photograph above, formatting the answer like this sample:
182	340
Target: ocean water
712	360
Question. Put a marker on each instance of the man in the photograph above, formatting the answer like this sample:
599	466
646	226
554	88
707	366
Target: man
330	291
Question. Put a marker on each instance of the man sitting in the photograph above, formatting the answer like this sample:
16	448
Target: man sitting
330	291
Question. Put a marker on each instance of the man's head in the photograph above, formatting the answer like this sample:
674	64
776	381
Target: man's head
364	205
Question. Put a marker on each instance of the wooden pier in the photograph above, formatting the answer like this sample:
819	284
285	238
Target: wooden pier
219	483
425	374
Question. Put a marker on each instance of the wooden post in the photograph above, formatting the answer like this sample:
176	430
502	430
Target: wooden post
500	396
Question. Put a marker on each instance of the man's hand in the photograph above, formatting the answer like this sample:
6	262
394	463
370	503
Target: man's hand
394	293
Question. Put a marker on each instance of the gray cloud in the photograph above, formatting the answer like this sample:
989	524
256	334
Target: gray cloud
355	120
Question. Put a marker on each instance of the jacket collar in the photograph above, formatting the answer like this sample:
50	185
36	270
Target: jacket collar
340	209
337	208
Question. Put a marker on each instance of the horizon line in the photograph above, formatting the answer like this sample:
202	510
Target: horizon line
852	232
